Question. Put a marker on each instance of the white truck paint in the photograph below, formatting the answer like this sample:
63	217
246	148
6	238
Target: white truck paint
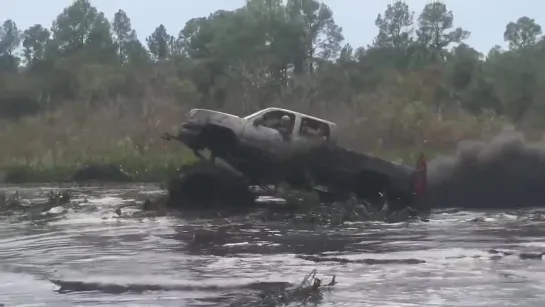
338	169
264	137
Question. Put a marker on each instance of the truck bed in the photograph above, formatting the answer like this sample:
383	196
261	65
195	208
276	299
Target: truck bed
340	166
340	170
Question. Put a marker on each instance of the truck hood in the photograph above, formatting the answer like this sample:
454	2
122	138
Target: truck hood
202	117
205	115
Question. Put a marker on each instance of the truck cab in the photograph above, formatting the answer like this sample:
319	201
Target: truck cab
283	133
277	133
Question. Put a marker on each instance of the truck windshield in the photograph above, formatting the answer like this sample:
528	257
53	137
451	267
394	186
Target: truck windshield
253	114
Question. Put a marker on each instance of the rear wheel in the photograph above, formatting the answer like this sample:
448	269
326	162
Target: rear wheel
372	187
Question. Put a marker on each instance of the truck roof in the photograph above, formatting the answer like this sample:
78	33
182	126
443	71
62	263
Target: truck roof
295	112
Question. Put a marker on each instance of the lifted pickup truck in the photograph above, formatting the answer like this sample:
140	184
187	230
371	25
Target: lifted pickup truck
275	146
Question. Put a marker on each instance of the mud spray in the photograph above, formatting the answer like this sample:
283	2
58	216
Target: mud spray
506	172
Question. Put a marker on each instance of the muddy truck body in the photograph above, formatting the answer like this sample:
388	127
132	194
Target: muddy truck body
275	145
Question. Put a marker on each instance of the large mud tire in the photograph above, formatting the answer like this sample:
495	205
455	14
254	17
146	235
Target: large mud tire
204	186
219	140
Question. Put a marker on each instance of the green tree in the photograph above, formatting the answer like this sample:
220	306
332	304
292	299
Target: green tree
100	44
136	53
10	39
81	27
35	40
463	61
160	43
322	36
435	23
393	45
124	34
395	28
523	33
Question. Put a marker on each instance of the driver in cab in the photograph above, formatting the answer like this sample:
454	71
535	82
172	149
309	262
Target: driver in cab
284	127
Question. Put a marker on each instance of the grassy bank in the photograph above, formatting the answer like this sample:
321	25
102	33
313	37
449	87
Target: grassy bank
129	168
126	167
109	144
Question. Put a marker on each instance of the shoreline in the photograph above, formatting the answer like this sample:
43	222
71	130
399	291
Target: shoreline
143	169
148	168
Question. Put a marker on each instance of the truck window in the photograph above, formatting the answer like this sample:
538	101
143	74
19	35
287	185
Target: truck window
314	128
272	119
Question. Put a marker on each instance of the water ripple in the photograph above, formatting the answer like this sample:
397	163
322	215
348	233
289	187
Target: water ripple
87	256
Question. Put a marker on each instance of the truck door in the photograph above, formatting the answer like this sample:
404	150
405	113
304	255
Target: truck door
265	135
312	133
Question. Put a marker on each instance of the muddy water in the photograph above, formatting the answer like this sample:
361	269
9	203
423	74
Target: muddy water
88	256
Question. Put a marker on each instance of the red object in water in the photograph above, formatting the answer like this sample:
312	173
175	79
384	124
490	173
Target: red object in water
420	178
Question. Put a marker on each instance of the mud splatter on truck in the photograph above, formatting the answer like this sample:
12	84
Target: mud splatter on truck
275	147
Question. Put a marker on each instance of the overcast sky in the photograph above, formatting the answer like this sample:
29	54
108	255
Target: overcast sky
485	19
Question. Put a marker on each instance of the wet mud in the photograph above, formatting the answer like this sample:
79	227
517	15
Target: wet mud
51	235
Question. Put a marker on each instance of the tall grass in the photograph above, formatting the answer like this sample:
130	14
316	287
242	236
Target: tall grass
127	134
54	145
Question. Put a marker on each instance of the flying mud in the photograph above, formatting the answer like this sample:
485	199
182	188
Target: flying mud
506	172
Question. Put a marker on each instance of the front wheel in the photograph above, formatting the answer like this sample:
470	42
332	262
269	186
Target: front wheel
220	141
205	186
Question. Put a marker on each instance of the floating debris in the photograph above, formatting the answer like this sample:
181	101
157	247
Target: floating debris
310	290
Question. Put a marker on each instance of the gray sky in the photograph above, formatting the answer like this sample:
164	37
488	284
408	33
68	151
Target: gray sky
485	19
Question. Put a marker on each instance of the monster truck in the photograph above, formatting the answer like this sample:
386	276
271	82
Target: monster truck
276	145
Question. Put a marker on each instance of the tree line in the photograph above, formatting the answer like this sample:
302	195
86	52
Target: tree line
272	52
